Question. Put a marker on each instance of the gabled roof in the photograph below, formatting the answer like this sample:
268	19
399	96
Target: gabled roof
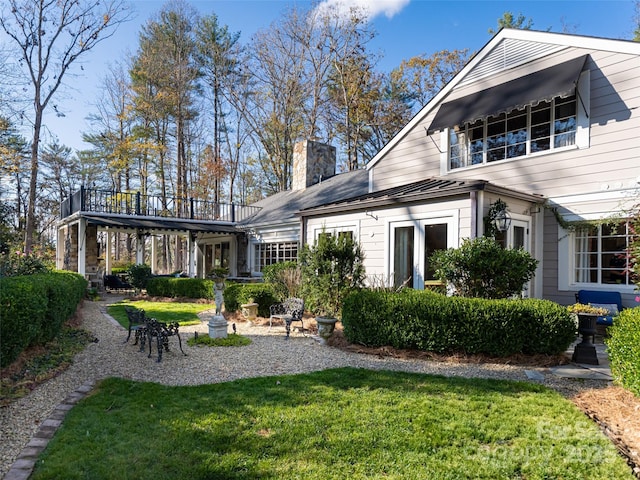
282	207
429	189
476	67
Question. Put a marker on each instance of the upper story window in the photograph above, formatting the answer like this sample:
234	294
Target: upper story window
535	128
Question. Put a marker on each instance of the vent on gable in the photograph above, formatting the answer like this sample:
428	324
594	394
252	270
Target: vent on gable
509	53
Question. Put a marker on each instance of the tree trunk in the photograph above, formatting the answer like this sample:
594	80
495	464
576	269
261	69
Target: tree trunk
33	183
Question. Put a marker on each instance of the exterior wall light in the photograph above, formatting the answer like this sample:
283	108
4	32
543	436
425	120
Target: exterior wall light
502	220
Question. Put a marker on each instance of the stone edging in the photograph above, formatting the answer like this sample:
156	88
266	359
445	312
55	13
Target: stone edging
26	461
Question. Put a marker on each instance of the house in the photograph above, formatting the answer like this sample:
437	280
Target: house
537	134
275	231
544	124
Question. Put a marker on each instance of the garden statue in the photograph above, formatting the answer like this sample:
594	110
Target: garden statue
218	294
217	323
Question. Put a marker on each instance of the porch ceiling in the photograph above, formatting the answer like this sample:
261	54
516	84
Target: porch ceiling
156	223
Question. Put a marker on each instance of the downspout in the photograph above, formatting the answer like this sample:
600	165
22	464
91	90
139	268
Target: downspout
303	231
480	214
473	196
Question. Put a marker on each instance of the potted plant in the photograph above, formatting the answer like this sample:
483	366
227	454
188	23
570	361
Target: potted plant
585	351
331	268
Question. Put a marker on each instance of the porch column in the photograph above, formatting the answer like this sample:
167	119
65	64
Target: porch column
154	254
82	246
60	247
140	249
107	252
192	245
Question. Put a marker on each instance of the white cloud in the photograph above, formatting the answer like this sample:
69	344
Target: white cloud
373	7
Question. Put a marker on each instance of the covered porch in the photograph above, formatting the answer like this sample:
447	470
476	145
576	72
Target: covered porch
174	236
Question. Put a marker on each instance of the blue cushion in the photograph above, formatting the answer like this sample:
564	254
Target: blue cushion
608	320
597	296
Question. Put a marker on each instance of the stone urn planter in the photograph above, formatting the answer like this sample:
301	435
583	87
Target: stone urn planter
250	311
326	326
585	351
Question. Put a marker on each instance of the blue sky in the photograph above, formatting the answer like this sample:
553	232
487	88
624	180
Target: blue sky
405	28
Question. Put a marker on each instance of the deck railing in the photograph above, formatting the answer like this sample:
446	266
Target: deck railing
126	203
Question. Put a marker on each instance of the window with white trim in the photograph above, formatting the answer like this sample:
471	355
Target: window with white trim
545	126
269	253
601	254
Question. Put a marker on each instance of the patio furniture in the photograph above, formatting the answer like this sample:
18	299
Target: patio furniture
291	310
611	301
147	329
137	325
161	331
114	282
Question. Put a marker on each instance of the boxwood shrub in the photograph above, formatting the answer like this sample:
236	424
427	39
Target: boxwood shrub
431	321
33	309
238	294
180	287
623	346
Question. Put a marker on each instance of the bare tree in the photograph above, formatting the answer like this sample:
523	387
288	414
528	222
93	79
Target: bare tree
50	36
351	75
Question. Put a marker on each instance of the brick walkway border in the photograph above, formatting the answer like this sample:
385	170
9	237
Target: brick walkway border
23	466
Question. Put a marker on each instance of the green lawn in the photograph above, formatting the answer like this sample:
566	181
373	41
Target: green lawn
183	313
343	423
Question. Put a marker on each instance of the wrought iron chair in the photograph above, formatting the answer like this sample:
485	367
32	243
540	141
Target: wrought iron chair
291	310
137	325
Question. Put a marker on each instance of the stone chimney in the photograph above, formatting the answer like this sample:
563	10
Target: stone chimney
312	163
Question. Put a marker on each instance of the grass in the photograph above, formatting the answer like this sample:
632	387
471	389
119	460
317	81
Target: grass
232	340
183	313
341	423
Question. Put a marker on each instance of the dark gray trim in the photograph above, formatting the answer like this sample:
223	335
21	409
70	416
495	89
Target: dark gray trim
559	80
424	190
147	223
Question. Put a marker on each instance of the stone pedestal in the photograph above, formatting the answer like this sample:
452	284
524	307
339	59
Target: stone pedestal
585	351
217	327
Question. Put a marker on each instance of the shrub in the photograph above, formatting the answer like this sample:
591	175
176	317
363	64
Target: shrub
623	346
240	293
19	264
33	309
139	275
331	269
180	287
433	322
285	278
481	268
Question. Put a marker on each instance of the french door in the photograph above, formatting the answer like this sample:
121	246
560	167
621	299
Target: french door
411	245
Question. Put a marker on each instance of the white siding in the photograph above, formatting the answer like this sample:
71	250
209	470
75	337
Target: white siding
373	228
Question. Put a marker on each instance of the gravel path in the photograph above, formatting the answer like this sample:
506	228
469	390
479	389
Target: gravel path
268	354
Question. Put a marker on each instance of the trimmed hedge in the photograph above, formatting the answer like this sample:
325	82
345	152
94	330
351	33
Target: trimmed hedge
433	322
240	293
623	346
180	287
33	309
